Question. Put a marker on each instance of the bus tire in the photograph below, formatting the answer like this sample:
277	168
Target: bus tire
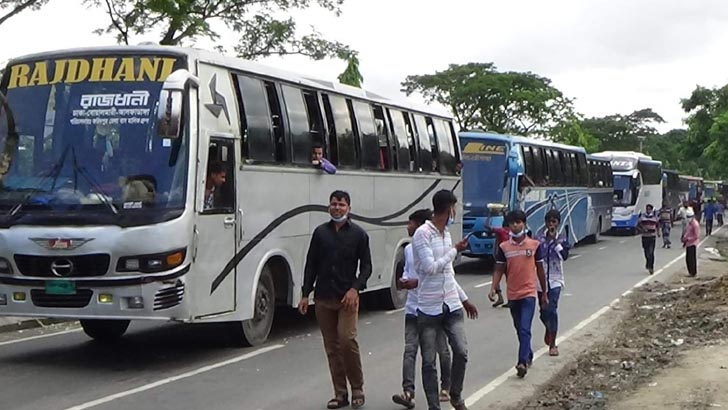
255	331
104	330
592	239
393	298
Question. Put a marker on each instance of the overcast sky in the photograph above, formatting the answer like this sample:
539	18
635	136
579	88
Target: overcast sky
612	56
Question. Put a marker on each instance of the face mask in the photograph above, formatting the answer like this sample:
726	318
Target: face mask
341	219
517	235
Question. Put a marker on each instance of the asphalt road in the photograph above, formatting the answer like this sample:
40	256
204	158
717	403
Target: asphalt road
178	367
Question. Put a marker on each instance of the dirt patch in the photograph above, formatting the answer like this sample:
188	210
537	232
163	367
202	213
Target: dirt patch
663	323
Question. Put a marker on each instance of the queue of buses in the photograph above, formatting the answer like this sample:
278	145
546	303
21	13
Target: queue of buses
104	170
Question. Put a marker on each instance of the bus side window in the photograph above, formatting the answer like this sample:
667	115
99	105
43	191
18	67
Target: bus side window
276	115
257	130
332	152
527	159
414	145
315	120
400	141
434	144
448	151
298	125
387	147
420	127
343	147
219	193
456	147
368	139
537	175
583	175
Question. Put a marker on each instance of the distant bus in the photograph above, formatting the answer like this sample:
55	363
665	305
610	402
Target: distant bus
502	173
690	186
712	189
637	183
671	189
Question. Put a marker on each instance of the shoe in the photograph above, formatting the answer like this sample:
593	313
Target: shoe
554	351
499	301
521	370
459	406
444	396
506	305
651	271
406	399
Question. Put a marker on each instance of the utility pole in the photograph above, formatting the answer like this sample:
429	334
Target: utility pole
641	138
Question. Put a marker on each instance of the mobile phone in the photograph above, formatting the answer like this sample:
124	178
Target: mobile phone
468	236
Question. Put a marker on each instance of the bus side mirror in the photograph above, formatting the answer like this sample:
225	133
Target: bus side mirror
171	103
512	163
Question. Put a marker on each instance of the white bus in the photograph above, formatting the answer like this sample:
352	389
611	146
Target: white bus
103	215
637	183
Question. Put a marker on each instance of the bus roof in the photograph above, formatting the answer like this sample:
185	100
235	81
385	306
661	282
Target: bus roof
622	154
670	171
243	66
689	177
517	139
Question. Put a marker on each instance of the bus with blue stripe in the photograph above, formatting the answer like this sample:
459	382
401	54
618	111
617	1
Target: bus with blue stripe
637	183
502	173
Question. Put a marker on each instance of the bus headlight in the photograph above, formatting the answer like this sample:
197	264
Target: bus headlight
151	263
5	266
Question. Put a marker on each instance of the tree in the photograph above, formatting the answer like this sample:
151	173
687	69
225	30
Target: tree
262	31
15	7
351	75
707	136
571	132
505	102
622	132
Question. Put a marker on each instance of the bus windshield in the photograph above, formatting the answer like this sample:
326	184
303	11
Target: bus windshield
86	138
625	190
484	167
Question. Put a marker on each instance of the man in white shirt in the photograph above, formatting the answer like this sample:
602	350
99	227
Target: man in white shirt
409	281
682	215
439	307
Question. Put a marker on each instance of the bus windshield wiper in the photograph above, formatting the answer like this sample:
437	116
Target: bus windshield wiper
94	184
54	173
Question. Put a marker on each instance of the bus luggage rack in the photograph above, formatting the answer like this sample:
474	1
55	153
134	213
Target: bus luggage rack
42	299
82	265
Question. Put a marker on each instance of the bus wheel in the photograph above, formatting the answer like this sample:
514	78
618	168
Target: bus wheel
104	330
592	239
393	298
253	332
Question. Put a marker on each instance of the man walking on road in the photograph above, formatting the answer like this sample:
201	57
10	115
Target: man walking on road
337	249
690	242
521	261
665	215
647	225
438	301
709	212
410	282
555	250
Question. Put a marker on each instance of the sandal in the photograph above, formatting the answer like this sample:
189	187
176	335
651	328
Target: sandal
406	399
554	351
357	402
337	403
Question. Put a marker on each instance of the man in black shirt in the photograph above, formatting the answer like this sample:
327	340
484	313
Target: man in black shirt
337	249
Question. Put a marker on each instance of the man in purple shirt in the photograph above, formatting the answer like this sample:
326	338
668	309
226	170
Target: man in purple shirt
319	161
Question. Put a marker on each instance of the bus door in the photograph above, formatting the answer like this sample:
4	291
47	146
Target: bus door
216	229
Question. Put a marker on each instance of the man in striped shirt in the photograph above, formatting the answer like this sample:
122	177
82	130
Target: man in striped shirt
647	225
438	301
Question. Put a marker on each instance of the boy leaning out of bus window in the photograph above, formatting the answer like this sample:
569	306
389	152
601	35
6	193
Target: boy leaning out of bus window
318	160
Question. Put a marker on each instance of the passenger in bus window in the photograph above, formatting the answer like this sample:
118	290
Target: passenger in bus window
338	249
318	160
216	176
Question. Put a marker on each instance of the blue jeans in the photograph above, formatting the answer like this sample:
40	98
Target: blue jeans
522	311
411	345
453	324
550	316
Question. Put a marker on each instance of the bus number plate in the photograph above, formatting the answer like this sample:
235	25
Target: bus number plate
60	287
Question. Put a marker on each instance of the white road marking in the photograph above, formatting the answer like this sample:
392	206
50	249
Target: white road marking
575	257
481	285
28	339
391	312
623	241
483	391
168	380
602	248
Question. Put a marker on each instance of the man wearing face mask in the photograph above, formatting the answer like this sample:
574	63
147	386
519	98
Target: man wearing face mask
521	261
439	306
337	249
690	242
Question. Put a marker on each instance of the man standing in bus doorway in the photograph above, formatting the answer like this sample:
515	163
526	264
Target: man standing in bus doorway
709	212
555	250
439	306
690	243
521	261
647	225
410	282
337	248
665	215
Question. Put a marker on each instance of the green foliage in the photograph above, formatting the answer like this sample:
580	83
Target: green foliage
351	75
480	96
622	132
11	8
263	28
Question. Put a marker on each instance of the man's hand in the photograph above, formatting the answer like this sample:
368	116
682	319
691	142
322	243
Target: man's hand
471	309
407	283
462	245
492	294
303	306
351	300
544	299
